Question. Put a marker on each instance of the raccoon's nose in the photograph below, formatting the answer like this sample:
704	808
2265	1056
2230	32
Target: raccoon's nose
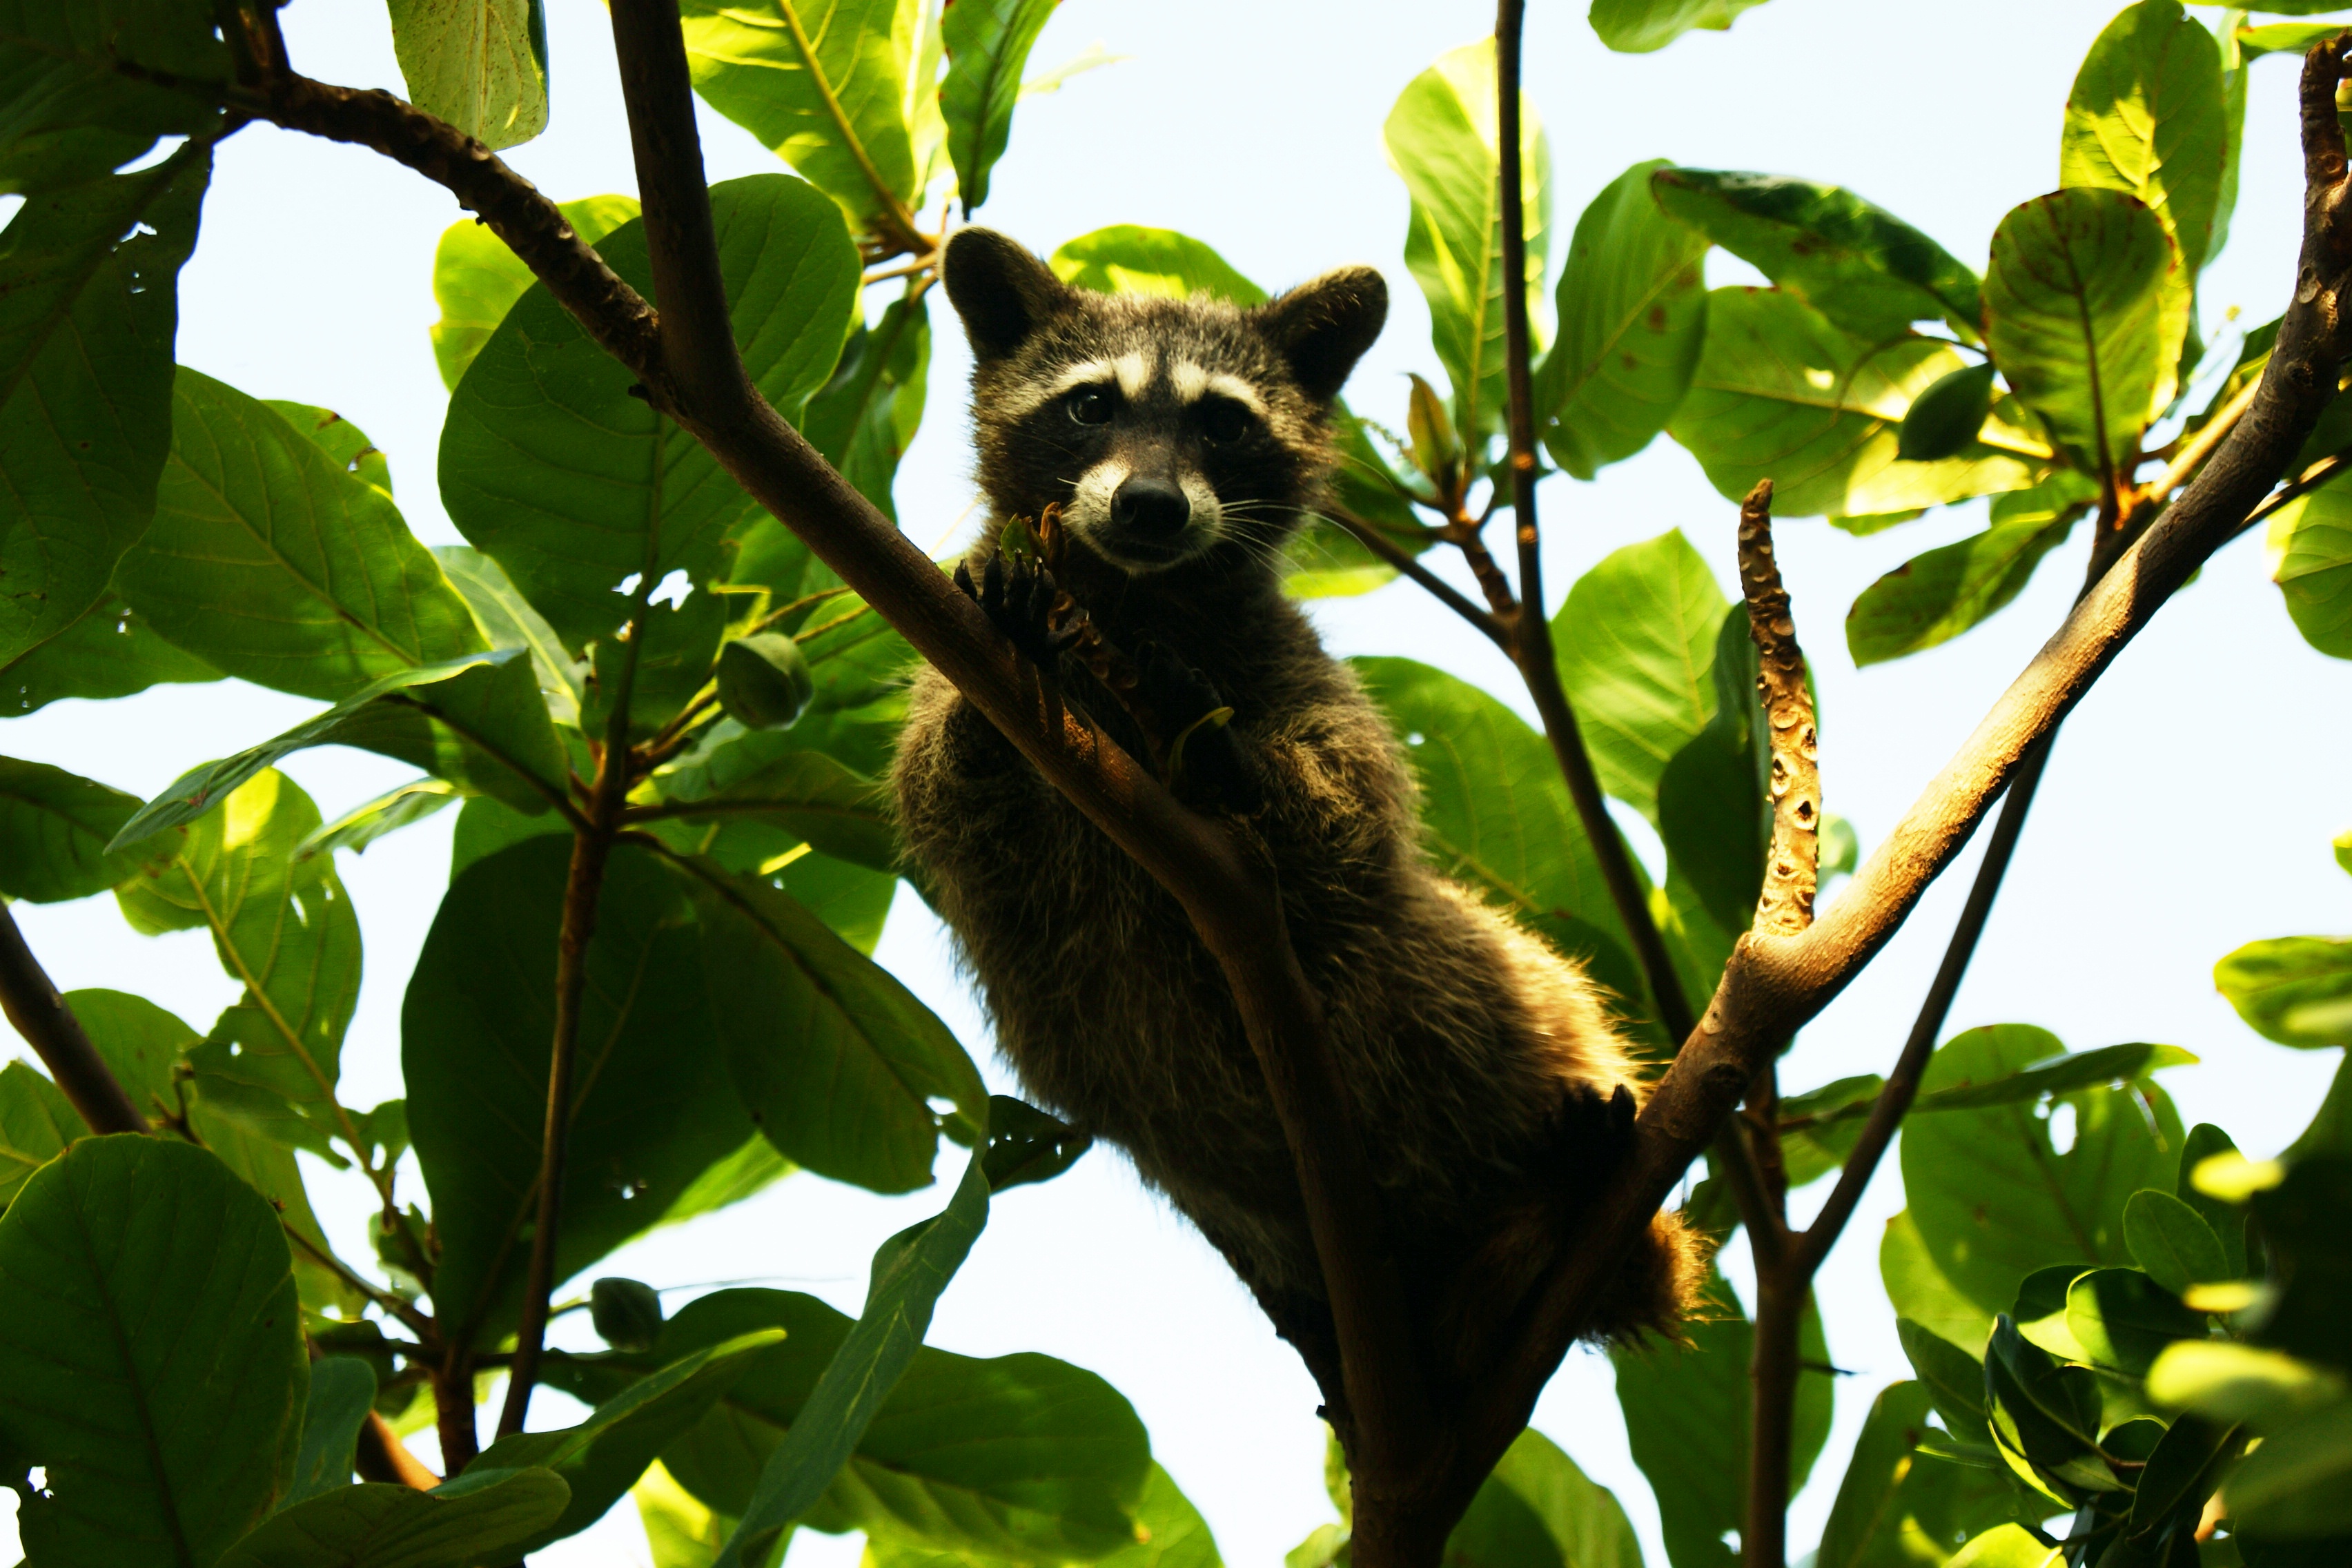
1150	506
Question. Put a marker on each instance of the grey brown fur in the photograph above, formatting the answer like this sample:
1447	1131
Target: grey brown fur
1482	1063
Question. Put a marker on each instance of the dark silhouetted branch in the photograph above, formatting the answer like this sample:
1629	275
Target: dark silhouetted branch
39	1013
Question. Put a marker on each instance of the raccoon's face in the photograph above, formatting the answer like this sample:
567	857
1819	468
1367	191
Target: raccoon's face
1168	431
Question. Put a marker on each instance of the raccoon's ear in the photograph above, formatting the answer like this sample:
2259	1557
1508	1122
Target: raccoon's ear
1323	326
1001	291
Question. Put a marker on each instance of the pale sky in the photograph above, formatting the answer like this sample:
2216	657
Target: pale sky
2187	809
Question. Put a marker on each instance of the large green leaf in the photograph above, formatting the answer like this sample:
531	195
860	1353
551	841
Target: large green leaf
1169	1533
87	326
481	65
2310	549
1632	313
68	109
2296	990
1935	596
382	1526
1866	1519
150	1355
837	88
573	486
271	561
864	417
653	1112
1536	1510
1867	270
142	1044
111	651
55	827
1444	138
342	1388
1924	1295
1638	26
1128	259
283	928
1686	1420
774	776
476	280
1495	815
604	1455
507	620
837	1062
2056	1075
988	42
2084	313
36	1123
1636	640
2146	116
1991	1195
1783	393
838	1417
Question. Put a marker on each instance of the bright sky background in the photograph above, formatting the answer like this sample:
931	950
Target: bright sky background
2187	809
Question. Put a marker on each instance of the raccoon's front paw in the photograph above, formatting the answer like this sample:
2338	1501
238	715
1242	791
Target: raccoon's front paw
1019	598
1591	1131
1204	756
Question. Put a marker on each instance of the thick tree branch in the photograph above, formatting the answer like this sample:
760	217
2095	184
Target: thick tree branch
39	1013
1775	983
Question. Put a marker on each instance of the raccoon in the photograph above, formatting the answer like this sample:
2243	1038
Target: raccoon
1183	443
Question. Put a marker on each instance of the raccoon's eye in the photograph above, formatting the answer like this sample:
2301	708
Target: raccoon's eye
1090	406
1223	421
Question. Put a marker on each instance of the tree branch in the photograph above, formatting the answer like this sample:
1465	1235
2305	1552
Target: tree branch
1792	869
1774	984
382	1456
39	1013
1408	565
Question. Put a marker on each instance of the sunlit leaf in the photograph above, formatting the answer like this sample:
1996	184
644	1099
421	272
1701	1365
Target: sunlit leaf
476	278
111	651
864	417
55	829
2146	116
2310	549
1937	595
481	65
2296	990
988	43
1638	26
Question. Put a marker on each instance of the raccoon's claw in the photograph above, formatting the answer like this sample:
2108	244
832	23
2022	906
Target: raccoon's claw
1019	598
1202	749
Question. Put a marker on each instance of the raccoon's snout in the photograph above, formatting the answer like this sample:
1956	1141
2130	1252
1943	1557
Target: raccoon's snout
1152	508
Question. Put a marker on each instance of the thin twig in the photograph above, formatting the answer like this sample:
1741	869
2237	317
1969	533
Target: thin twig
1407	565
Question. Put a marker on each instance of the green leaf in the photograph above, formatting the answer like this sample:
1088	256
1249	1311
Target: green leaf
774	777
2228	1221
2045	1416
111	651
749	1170
1945	417
1812	1152
143	1046
1631	301
2309	546
682	1532
2227	1382
2085	310
507	620
1169	1533
604	1455
476	280
1952	1378
1866	1519
168	1435
2295	990
68	110
2146	117
834	88
1443	140
654	1109
862	419
342	1391
1922	1294
763	680
1128	259
668	652
836	1419
2294	1487
345	444
2172	1242
86	334
481	65
1935	596
417	714
837	1061
1869	272
2123	1320
1638	26
56	828
36	1123
1637	645
988	43
2303	1222
271	563
1686	1420
1024	1144
1990	1194
1495	815
573	486
2056	1075
2181	1473
2004	1546
381	1526
1536	1510
1781	393
387	813
2287	38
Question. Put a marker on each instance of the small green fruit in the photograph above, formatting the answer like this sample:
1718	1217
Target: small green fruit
764	681
628	1312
